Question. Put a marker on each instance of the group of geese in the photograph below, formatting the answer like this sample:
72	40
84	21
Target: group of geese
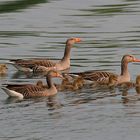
70	81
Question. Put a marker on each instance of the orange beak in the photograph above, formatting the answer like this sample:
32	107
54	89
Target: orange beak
77	39
59	75
136	60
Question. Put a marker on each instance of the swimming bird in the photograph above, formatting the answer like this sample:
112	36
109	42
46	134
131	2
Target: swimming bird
125	85
69	83
103	76
64	63
113	81
3	69
137	85
126	97
31	90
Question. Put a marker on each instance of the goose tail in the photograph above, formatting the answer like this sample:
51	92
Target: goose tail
12	93
18	67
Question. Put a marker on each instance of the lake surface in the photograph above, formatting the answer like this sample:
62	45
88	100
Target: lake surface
39	28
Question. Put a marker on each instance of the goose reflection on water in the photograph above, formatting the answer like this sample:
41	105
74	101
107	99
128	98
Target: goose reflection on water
52	103
134	96
11	6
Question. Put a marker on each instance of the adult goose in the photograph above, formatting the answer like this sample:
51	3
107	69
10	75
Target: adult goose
31	90
103	77
64	63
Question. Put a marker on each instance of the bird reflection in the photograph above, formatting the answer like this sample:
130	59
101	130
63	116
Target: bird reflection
10	100
52	103
127	97
11	6
19	74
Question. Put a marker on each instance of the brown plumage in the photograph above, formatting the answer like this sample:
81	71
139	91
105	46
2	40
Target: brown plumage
3	69
113	81
125	85
31	90
137	85
126	97
39	83
71	84
103	77
64	63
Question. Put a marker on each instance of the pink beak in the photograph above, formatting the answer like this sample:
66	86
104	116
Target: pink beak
136	60
78	40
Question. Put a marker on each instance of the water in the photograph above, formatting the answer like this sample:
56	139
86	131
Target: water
39	28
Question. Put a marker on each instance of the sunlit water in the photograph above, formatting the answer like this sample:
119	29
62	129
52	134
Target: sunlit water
39	28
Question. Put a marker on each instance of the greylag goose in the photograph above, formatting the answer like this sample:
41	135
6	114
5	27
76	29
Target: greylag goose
113	81
70	84
64	63
31	90
135	97
103	77
125	85
3	69
137	85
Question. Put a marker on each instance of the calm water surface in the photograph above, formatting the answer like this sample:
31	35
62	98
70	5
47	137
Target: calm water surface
39	28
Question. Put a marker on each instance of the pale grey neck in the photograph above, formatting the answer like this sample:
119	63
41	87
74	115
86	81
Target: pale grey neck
67	52
124	68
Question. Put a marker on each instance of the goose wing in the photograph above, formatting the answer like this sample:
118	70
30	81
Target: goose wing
28	90
16	87
34	62
97	76
31	91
